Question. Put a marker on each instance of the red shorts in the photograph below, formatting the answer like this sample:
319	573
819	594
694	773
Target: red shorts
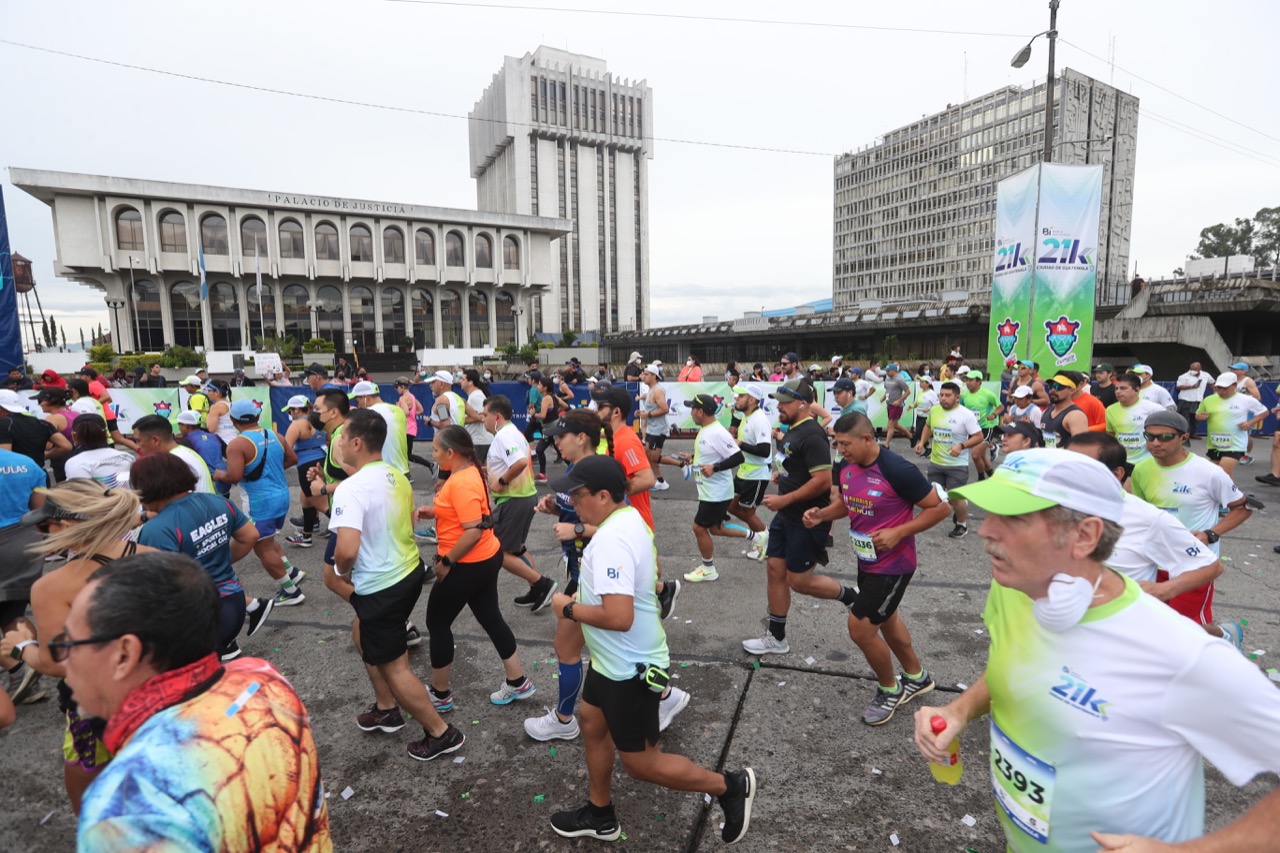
1196	604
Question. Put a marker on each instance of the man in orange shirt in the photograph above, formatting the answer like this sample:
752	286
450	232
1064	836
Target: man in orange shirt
1094	409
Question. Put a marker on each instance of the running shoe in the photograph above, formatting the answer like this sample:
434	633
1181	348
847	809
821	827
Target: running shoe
542	590
380	720
667	598
412	636
766	645
913	687
22	683
289	599
434	747
959	531
670	707
540	478
1246	459
427	534
506	694
1233	633
881	709
233	651
585	823
1268	479
299	540
299	524
737	802
660	486
549	727
701	574
258	616
686	470
297	575
761	547
442	704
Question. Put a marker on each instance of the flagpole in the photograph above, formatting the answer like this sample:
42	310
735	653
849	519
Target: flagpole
257	270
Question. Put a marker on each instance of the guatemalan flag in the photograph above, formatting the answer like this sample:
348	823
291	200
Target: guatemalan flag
204	285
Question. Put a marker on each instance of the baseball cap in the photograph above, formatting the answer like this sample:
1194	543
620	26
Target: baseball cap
1022	392
793	389
297	401
836	359
1166	418
617	398
963	370
1224	380
815	368
973	374
844	383
315	368
635	356
1031	480
189	417
597	473
1026	362
1239	365
365	389
791	357
1026	429
1141	369
705	402
857	371
245	410
239	371
893	365
563	426
655	369
86	406
442	376
1105	366
50	393
192	380
750	390
11	402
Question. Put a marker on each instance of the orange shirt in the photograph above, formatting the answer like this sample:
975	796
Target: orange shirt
463	498
629	452
1094	411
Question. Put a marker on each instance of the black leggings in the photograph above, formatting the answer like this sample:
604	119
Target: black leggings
230	620
473	585
541	452
411	456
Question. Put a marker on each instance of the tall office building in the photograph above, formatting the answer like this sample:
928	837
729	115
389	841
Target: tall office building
556	134
915	211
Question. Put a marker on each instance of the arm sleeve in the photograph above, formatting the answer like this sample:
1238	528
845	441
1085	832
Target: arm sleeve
348	511
731	461
761	449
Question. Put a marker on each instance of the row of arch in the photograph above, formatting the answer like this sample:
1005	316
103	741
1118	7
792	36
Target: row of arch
303	318
253	233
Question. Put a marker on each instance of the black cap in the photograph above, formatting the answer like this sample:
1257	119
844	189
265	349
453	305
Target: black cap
615	396
315	368
51	511
791	357
563	426
1025	429
705	402
793	389
844	383
597	473
51	393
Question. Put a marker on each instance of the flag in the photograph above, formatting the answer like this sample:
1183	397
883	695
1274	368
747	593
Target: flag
204	285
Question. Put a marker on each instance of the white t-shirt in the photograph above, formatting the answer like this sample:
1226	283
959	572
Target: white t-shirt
621	559
950	427
1196	394
713	444
507	447
480	436
926	401
872	376
1156	394
863	388
1192	490
395	450
755	429
378	501
104	464
1154	539
204	480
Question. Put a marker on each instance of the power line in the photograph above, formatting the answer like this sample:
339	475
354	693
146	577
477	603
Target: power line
1222	142
1180	128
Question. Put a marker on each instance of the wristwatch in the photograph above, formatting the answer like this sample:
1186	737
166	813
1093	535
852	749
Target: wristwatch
1211	536
502	481
443	559
579	529
16	653
568	611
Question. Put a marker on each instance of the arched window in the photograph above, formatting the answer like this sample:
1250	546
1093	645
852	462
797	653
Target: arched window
478	308
253	237
173	232
329	315
392	245
510	253
453	251
129	230
225	314
184	304
262	310
450	318
297	315
504	308
393	319
484	253
291	240
424	247
361	243
213	234
327	242
147	317
362	308
424	318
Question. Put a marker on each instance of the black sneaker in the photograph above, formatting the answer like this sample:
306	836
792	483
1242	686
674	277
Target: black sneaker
1269	479
959	531
412	636
667	598
255	618
433	747
380	720
539	595
912	687
231	652
299	524
585	823
736	803
528	599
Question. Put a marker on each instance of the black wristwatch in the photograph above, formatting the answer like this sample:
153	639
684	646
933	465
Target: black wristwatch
568	611
1212	537
443	559
579	529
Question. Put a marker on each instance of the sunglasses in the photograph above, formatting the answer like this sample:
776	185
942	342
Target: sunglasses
1056	386
1161	437
60	646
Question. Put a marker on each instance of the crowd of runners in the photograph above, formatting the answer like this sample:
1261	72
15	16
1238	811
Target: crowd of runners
1101	521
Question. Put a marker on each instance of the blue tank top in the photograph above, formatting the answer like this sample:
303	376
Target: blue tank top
210	448
311	449
269	494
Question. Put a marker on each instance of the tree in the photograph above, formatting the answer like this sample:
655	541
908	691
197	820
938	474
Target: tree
1266	239
1220	241
53	331
44	332
82	338
64	337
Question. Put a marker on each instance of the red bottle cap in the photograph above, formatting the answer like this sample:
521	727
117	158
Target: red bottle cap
938	725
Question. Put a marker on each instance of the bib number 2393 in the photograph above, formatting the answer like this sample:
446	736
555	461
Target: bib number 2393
1022	785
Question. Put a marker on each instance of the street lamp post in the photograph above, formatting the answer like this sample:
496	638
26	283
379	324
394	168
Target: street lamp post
115	305
1020	59
137	324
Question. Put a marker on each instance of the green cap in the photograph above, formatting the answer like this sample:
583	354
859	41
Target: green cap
973	374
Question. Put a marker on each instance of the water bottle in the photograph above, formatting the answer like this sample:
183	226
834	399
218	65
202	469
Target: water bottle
950	771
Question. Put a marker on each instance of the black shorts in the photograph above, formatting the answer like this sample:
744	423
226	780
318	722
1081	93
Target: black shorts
12	611
382	616
711	513
1215	455
802	547
630	709
750	492
878	596
511	522
991	435
654	442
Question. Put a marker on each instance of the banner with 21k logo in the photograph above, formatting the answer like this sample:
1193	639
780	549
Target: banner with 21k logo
1043	288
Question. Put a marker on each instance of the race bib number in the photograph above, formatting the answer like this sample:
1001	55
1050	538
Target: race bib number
1131	440
1050	439
1220	440
1022	785
942	436
863	546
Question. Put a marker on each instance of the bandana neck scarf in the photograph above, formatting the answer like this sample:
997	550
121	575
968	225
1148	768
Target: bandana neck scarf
157	693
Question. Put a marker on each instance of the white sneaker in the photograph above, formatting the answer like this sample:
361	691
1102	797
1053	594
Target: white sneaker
766	645
549	727
668	709
762	545
660	486
702	573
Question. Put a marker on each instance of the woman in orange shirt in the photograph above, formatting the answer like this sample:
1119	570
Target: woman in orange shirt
467	563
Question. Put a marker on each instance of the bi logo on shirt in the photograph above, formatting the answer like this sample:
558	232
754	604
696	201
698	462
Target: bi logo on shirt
1074	690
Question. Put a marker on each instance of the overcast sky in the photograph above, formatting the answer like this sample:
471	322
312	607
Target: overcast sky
731	230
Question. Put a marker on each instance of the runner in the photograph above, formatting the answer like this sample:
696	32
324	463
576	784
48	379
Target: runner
619	615
218	419
1104	388
97	391
897	390
154	434
879	490
926	399
1097	693
653	418
477	390
1230	415
1064	418
211	447
93	458
715	455
986	407
1125	418
308	444
197	400
396	452
1095	412
1247	386
329	414
751	480
1148	390
953	431
53	403
1022	407
1027	378
412	409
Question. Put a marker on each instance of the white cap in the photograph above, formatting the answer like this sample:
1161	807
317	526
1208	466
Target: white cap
1224	380
635	356
836	359
85	406
814	367
750	390
656	369
1023	391
962	370
297	401
11	402
442	376
189	417
365	389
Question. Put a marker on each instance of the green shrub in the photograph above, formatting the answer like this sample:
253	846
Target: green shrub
102	354
143	360
181	357
318	345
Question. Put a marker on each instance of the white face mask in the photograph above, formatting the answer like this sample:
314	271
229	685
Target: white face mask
487	376
1067	602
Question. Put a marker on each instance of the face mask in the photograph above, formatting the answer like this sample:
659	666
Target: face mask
1067	602
314	417
487	376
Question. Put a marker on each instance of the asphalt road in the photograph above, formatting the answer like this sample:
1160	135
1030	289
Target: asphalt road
827	781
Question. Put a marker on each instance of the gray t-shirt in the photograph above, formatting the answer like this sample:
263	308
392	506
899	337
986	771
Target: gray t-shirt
895	390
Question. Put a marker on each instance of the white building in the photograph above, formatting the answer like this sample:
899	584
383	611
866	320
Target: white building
371	276
915	211
556	134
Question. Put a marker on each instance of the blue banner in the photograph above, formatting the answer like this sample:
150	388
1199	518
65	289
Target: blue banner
10	332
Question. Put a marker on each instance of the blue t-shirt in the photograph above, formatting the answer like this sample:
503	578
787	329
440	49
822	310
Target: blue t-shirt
19	475
210	448
199	525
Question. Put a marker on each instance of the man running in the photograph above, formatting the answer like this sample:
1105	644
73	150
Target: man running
1023	408
1064	418
985	405
953	432
154	434
755	439
1230	414
1191	387
653	417
879	491
715	455
1026	378
896	392
329	414
396	451
1126	416
1246	385
1149	390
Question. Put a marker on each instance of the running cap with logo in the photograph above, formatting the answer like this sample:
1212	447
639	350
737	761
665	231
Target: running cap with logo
705	402
597	473
442	376
365	389
1022	392
11	402
793	389
1226	380
245	410
297	401
1166	418
1033	480
1239	365
1024	429
843	384
190	417
750	390
972	374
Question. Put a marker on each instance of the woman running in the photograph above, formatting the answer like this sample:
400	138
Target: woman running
308	444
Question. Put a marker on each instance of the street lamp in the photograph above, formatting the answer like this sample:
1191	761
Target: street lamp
1020	59
115	305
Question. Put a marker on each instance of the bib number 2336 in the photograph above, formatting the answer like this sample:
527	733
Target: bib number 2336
1022	785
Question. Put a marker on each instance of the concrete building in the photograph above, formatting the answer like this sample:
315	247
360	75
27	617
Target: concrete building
556	134
371	276
915	210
